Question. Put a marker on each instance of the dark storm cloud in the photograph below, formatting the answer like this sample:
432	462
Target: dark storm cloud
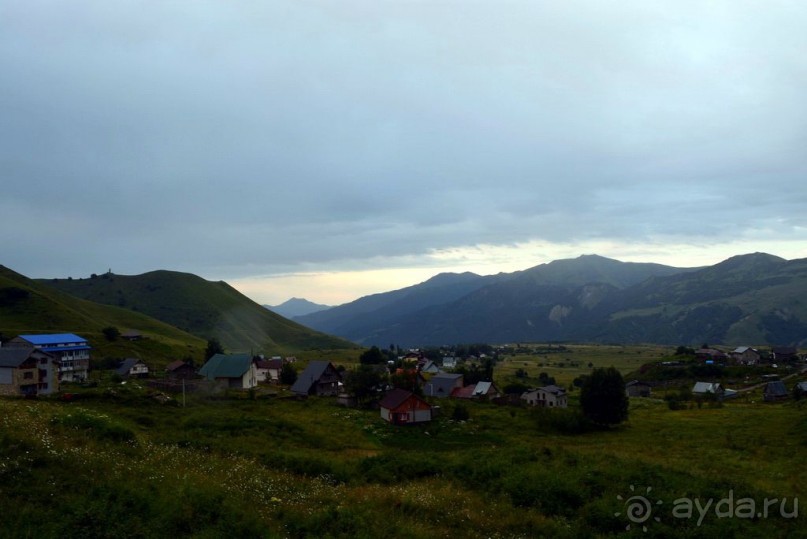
203	135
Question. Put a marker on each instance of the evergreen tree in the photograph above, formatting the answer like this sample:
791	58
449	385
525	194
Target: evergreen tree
603	397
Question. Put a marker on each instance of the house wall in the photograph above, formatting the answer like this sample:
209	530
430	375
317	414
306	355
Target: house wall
15	382
415	410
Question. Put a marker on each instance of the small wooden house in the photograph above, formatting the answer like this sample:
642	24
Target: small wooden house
635	388
402	407
705	389
775	391
318	378
132	368
180	370
745	355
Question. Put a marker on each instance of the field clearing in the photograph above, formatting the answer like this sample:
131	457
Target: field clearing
572	360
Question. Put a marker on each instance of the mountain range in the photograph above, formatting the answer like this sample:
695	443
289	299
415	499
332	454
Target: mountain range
754	299
748	299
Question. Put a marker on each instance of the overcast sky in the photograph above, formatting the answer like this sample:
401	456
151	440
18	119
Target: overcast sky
331	149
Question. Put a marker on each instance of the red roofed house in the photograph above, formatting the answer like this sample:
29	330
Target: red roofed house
402	407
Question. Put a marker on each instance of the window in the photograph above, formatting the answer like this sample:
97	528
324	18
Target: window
28	375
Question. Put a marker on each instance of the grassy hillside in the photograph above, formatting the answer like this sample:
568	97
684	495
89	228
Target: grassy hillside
203	308
27	306
121	464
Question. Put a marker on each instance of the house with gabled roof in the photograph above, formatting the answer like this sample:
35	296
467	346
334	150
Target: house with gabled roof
402	407
703	389
784	353
442	385
550	396
479	391
28	371
775	391
710	355
132	368
318	378
180	370
636	388
429	367
745	355
234	371
72	352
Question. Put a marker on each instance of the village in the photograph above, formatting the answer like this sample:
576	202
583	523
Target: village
405	390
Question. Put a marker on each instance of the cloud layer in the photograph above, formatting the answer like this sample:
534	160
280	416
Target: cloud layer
235	139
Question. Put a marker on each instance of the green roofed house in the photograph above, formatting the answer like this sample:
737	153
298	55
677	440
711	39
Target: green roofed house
234	371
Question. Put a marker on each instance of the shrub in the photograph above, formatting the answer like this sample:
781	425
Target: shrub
460	412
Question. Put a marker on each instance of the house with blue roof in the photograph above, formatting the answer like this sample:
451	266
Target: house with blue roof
233	371
72	352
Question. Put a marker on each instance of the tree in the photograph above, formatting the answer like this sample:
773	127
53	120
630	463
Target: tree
373	356
363	383
213	347
111	333
603	397
288	375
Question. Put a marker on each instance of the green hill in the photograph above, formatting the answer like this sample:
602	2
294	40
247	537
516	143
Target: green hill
202	308
28	306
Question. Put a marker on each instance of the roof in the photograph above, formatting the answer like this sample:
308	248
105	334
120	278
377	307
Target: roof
743	349
313	372
555	390
466	392
53	338
482	388
274	364
395	398
226	366
441	385
706	387
178	364
14	357
776	389
127	364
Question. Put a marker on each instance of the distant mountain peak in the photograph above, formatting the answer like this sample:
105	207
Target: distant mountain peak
297	307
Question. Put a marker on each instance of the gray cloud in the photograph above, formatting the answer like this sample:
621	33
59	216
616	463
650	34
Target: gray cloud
257	137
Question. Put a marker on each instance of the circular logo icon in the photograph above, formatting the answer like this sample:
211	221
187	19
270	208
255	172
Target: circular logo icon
638	508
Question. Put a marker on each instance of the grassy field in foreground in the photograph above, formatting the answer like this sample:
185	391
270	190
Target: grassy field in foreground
118	463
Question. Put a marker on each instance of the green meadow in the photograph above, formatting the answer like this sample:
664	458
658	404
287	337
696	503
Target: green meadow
117	461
